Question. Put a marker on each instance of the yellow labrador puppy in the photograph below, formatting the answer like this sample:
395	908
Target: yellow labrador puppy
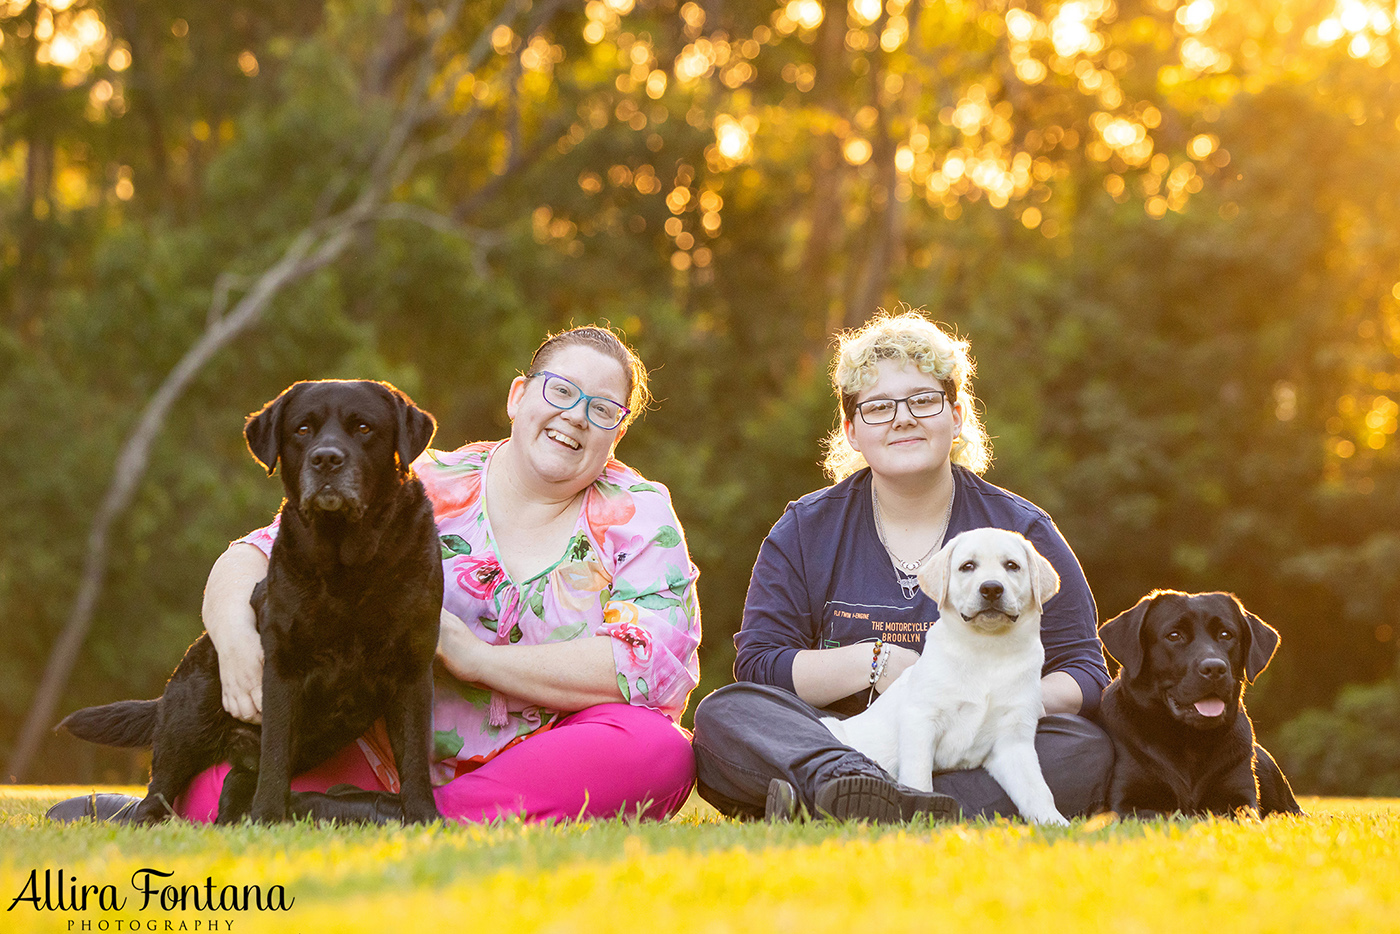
973	697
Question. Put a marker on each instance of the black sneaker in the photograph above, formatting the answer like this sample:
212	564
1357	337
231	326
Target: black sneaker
863	797
782	801
105	807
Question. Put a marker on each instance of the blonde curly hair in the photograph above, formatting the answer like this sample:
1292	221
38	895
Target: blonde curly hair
911	339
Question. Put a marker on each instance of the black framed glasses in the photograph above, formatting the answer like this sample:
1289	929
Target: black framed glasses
563	393
924	404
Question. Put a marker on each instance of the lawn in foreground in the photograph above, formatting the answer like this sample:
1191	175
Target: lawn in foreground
1337	869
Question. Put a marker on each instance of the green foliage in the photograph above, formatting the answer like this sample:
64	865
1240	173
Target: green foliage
1351	748
1188	356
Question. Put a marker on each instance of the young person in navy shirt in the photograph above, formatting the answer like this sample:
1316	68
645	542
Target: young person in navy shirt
833	602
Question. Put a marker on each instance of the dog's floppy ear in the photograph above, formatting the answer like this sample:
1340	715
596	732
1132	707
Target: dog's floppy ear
933	579
1122	636
1045	580
1263	641
263	430
414	430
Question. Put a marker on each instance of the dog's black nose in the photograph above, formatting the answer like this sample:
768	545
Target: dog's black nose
991	590
1213	668
327	459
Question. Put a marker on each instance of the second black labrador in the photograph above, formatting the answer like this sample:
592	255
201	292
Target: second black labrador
1181	737
348	615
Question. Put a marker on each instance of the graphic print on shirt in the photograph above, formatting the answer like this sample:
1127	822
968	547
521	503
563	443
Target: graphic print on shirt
848	623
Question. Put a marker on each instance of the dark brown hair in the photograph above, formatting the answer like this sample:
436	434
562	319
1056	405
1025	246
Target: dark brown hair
606	341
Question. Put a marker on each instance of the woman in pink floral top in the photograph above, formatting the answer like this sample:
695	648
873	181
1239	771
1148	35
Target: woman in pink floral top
570	623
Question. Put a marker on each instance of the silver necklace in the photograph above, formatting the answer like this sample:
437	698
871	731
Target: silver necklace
904	570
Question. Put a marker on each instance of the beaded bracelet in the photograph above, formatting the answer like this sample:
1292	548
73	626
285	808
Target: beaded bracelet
875	661
880	668
877	667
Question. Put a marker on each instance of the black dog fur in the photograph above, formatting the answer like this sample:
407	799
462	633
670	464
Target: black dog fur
1181	737
348	615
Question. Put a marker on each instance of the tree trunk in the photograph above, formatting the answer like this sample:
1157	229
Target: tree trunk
310	251
320	243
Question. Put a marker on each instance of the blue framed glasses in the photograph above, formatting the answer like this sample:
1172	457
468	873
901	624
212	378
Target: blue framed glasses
563	393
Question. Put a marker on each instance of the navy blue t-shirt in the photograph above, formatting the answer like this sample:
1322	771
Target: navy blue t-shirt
823	580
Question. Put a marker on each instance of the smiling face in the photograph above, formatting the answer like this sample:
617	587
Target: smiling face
906	446
561	447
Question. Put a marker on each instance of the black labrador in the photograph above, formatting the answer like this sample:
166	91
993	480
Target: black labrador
1181	737
348	615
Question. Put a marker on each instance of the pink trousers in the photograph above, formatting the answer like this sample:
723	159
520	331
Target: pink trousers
604	761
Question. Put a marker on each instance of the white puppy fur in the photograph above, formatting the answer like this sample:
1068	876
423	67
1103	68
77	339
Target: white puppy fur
973	697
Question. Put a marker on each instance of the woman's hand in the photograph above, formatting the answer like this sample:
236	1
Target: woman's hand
240	673
561	675
233	628
899	661
460	650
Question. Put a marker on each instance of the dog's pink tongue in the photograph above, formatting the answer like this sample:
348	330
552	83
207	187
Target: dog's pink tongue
1210	707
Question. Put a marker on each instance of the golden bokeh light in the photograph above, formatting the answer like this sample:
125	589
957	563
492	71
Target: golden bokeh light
1364	25
124	189
733	139
865	12
895	34
1196	17
857	151
1022	26
68	40
656	84
1072	30
806	13
503	39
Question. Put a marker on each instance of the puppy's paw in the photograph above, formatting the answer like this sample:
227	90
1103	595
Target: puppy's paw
1050	818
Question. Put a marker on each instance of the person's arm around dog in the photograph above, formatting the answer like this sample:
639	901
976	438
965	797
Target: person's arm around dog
562	675
233	628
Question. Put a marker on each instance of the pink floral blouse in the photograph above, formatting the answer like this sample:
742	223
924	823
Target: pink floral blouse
625	574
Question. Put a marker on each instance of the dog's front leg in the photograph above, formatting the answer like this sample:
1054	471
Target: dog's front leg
410	723
275	765
915	744
1235	793
1016	767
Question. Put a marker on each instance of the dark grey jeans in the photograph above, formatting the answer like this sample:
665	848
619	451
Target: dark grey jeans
747	734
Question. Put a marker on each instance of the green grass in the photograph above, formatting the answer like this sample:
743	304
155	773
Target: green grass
1338	869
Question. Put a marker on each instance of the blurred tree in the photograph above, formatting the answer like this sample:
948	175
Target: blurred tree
1351	748
1169	229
